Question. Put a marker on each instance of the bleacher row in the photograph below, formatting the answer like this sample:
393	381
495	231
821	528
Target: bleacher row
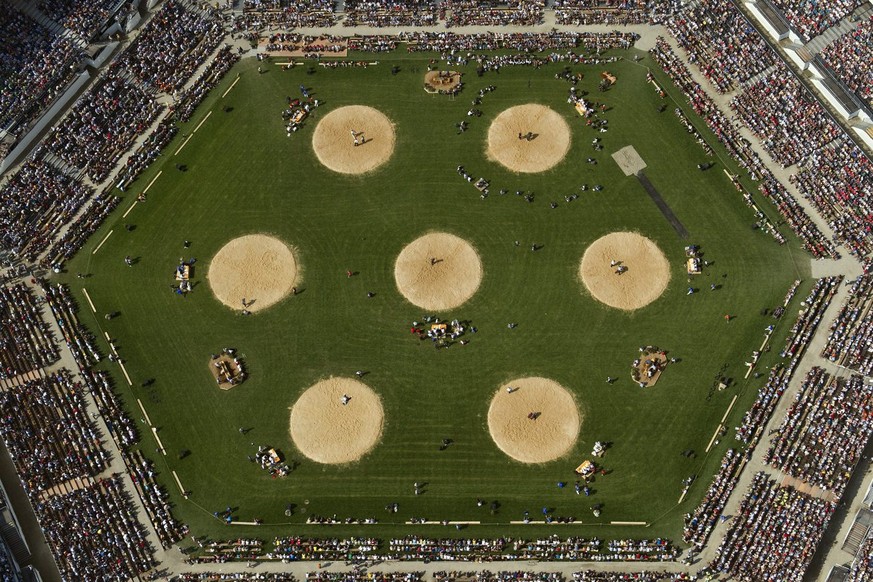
700	522
48	433
815	304
58	454
441	576
850	342
78	339
290	549
26	344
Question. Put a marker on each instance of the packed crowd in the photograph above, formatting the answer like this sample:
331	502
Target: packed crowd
122	427
391	13
494	12
142	157
810	316
260	14
81	229
35	66
774	534
361	576
862	565
102	125
188	99
785	116
721	42
814	241
851	58
293	549
34	204
614	12
644	576
233	577
172	45
700	522
836	179
741	150
824	433
549	548
78	339
528	42
94	532
222	551
25	341
811	18
8	569
502	576
154	499
749	431
850	342
48	433
82	17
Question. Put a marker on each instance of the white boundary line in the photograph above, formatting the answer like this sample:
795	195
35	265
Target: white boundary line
132	206
94	252
183	144
144	413
152	182
728	411
182	489
201	123
714	436
88	297
123	369
231	87
160	444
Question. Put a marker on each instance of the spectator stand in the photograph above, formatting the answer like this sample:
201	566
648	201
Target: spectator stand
381	13
775	534
810	19
83	18
862	566
721	42
850	57
171	47
850	341
835	179
823	435
38	65
261	14
34	204
26	342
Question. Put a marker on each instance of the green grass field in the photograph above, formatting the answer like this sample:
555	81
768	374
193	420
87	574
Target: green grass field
246	176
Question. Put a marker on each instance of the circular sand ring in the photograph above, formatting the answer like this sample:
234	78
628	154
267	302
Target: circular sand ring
534	420
549	144
438	271
256	267
337	133
328	431
646	277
